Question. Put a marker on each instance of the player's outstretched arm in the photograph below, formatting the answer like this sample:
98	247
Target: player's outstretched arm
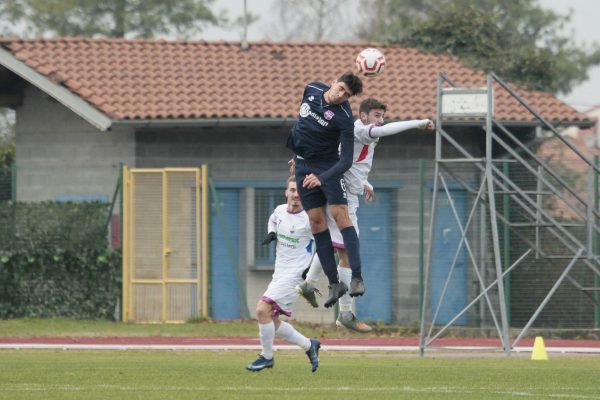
396	127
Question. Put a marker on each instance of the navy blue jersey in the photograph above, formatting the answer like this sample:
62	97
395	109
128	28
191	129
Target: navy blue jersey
320	130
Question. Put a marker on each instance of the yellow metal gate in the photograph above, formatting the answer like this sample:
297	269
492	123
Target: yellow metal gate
165	247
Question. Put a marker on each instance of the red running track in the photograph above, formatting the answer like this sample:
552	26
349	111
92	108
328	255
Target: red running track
233	341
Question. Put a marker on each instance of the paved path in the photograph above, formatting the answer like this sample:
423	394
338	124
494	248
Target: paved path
243	343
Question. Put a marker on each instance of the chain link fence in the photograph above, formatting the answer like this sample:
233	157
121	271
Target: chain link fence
7	183
394	232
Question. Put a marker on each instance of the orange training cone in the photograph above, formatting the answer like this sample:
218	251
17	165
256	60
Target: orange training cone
539	351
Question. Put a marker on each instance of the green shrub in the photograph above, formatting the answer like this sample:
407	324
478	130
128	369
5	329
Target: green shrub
55	261
53	225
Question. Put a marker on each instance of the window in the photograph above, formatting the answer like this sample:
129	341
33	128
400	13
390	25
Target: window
265	201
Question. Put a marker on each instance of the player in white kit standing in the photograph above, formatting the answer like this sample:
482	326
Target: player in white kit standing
290	227
367	131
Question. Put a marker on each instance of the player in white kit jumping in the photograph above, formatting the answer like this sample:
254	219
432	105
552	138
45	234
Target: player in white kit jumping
290	227
367	131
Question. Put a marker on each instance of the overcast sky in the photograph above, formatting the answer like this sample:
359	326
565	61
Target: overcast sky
585	26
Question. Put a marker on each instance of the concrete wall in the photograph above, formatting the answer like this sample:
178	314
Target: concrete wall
235	153
59	154
252	154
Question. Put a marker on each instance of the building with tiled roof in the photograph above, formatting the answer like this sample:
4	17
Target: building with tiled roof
85	105
157	80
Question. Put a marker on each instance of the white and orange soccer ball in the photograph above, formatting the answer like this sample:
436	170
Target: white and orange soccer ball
370	62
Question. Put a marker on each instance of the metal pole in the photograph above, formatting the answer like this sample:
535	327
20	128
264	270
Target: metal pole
244	43
482	256
165	245
245	20
589	207
112	202
121	230
506	244
596	249
538	214
421	234
206	237
13	186
428	264
125	242
199	253
438	120
438	155
493	218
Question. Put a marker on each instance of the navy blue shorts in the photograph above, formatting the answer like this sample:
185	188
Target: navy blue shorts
332	191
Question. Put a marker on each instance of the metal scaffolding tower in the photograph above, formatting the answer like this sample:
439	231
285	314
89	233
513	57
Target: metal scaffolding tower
480	226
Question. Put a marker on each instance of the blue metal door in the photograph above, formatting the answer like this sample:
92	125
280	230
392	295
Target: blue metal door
446	240
376	257
224	282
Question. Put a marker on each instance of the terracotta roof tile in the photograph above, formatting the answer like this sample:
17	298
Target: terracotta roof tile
149	79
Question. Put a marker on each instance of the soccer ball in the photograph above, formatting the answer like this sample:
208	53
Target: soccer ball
370	62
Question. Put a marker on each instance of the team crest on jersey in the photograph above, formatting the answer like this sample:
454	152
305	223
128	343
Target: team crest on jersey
304	109
311	98
328	114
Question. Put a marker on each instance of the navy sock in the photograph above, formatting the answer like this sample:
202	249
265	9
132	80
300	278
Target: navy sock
325	252
353	249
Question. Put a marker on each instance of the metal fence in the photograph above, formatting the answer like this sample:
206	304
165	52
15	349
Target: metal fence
8	183
528	284
393	235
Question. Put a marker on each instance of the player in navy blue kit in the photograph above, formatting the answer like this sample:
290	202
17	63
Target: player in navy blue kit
326	125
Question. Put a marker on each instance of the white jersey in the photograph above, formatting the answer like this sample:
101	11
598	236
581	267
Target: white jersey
364	148
294	242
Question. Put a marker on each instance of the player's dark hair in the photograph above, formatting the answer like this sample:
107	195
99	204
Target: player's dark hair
354	83
371	104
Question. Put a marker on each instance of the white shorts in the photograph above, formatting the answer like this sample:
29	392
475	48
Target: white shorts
281	295
336	235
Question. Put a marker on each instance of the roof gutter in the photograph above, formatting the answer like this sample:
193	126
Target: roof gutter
288	121
58	92
204	122
531	124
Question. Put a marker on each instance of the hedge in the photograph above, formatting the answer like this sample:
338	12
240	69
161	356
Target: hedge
55	261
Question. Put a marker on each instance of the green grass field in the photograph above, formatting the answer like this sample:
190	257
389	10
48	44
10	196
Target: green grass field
87	328
203	375
174	375
91	328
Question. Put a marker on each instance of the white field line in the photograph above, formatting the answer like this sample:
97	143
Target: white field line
35	387
69	346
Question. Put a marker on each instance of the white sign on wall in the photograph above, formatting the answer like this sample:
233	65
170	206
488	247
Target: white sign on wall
458	102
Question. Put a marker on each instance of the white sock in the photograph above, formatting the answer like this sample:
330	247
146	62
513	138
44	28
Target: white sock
266	332
345	275
315	270
289	334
